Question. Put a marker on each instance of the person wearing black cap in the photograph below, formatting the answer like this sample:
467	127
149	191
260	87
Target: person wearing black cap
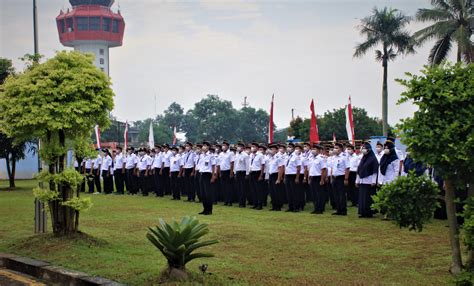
119	170
275	181
97	169
157	162
378	151
340	173
354	160
165	169
196	175
131	161
389	164
106	168
292	171
89	174
366	180
208	176
317	171
242	170
175	169
188	167
225	168
257	169
306	193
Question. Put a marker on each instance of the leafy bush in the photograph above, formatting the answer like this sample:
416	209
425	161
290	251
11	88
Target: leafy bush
410	201
177	242
79	204
45	195
468	226
466	278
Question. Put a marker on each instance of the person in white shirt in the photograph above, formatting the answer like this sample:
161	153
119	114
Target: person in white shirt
275	182
242	170
292	169
89	175
175	169
96	167
143	166
317	171
196	190
340	174
188	167
378	151
225	169
303	188
401	156
207	169
329	178
389	164
354	160
165	169
119	170
131	178
106	169
366	180
157	162
257	172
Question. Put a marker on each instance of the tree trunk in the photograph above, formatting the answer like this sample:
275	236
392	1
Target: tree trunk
470	253
456	266
7	162
11	178
385	98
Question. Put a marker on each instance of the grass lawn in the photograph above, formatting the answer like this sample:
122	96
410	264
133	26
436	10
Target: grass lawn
255	248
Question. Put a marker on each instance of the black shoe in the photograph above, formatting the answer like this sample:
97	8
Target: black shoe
314	212
288	210
202	213
335	213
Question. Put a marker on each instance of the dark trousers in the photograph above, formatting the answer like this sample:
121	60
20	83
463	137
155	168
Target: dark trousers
207	192
143	183
131	181
240	178
256	190
188	184
300	194
158	183
352	190
276	192
197	185
290	187
119	180
340	194
108	182
90	180
97	180
331	197
319	193
226	188
174	184
366	192
165	177
82	187
265	192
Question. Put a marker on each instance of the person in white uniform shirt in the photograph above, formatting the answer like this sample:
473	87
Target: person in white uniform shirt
242	170
131	178
352	190
187	170
400	155
340	174
389	164
196	174
89	174
96	167
378	151
106	169
165	169
257	172
275	182
317	172
292	169
175	169
143	167
225	170
156	167
208	176
304	193
119	170
366	180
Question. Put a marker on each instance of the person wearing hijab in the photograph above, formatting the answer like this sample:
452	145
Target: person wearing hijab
389	164
367	179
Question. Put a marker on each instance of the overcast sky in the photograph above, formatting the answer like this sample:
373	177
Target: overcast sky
181	51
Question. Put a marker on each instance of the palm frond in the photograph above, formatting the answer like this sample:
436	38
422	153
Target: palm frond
361	49
436	14
436	31
440	50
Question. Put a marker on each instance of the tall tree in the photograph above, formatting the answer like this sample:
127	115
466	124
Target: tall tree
173	116
252	125
440	133
453	23
385	27
59	102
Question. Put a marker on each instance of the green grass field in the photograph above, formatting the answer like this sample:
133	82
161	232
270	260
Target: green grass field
255	248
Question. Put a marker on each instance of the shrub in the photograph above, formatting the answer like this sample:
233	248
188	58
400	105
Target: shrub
410	201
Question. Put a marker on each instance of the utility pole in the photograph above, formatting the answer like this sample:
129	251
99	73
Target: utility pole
245	103
35	30
292	114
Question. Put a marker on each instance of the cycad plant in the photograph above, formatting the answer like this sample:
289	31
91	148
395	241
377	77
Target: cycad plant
178	241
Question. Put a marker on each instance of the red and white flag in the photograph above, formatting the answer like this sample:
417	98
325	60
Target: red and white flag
333	137
125	136
313	128
270	123
151	136
97	135
174	135
350	122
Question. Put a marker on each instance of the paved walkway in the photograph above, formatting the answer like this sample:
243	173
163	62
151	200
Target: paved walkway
13	278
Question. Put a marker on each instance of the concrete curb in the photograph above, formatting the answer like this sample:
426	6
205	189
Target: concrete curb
49	273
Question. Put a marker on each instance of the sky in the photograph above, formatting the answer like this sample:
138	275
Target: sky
181	51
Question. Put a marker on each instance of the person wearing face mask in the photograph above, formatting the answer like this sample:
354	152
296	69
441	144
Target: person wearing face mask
175	168
399	153
354	160
366	180
187	158
292	171
305	193
97	168
157	162
225	168
119	170
131	161
275	170
165	169
340	174
265	190
242	170
378	151
196	174
389	164
89	175
329	163
142	172
257	169
300	187
317	172
106	167
208	176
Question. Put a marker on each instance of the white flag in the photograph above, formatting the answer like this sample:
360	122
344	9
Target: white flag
97	135
151	138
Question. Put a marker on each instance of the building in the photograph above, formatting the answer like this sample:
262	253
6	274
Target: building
91	27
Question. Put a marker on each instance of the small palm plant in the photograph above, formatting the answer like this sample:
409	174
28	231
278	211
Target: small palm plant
177	242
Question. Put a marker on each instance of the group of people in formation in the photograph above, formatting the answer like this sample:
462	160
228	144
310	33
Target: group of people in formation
241	174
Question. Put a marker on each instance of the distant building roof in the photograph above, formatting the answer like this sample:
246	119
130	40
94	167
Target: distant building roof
106	3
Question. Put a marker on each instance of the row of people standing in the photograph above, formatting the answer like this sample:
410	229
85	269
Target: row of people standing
247	174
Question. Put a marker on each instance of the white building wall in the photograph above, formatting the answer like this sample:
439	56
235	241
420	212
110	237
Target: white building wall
100	51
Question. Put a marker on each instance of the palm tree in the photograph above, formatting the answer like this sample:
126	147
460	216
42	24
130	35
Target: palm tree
453	22
385	27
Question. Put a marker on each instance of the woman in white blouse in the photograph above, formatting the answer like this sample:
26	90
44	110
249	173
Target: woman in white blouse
389	164
366	180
